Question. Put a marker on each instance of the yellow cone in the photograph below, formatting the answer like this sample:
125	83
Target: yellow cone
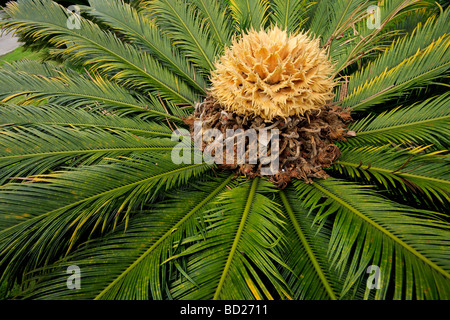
272	74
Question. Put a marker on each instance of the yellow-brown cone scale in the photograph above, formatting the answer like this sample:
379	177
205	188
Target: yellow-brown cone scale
270	74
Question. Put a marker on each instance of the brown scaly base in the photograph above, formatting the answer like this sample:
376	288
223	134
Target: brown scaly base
306	143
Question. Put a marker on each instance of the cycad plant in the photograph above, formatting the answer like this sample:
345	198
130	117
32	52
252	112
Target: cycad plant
86	151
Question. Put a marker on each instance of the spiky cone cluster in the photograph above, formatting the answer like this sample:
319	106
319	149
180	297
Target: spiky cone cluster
277	81
273	74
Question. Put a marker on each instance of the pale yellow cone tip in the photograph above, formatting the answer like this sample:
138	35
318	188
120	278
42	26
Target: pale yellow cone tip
272	74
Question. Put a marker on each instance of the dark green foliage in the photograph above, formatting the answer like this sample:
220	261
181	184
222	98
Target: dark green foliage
87	179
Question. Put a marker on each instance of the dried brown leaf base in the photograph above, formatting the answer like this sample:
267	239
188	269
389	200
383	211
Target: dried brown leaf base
306	144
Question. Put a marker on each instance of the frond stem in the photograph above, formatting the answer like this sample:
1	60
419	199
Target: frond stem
381	229
247	208
165	236
306	245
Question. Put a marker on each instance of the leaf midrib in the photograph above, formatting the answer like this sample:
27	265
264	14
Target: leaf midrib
120	58
307	246
286	19
52	153
386	232
110	101
237	237
197	44
414	176
164	237
155	48
395	127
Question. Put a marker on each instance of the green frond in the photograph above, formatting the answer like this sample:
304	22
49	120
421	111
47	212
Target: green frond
58	211
35	150
62	116
78	91
142	32
243	231
332	17
40	68
412	62
306	252
407	170
362	38
411	19
290	15
215	14
371	230
249	13
423	123
100	50
132	251
188	30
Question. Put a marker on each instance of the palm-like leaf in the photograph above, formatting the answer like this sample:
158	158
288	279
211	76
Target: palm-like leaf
376	229
390	166
423	124
157	233
142	32
78	91
409	63
67	116
132	67
311	276
185	26
283	16
87	177
47	147
249	13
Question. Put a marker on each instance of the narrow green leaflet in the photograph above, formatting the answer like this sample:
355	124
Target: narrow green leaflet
133	257
423	123
369	230
64	207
